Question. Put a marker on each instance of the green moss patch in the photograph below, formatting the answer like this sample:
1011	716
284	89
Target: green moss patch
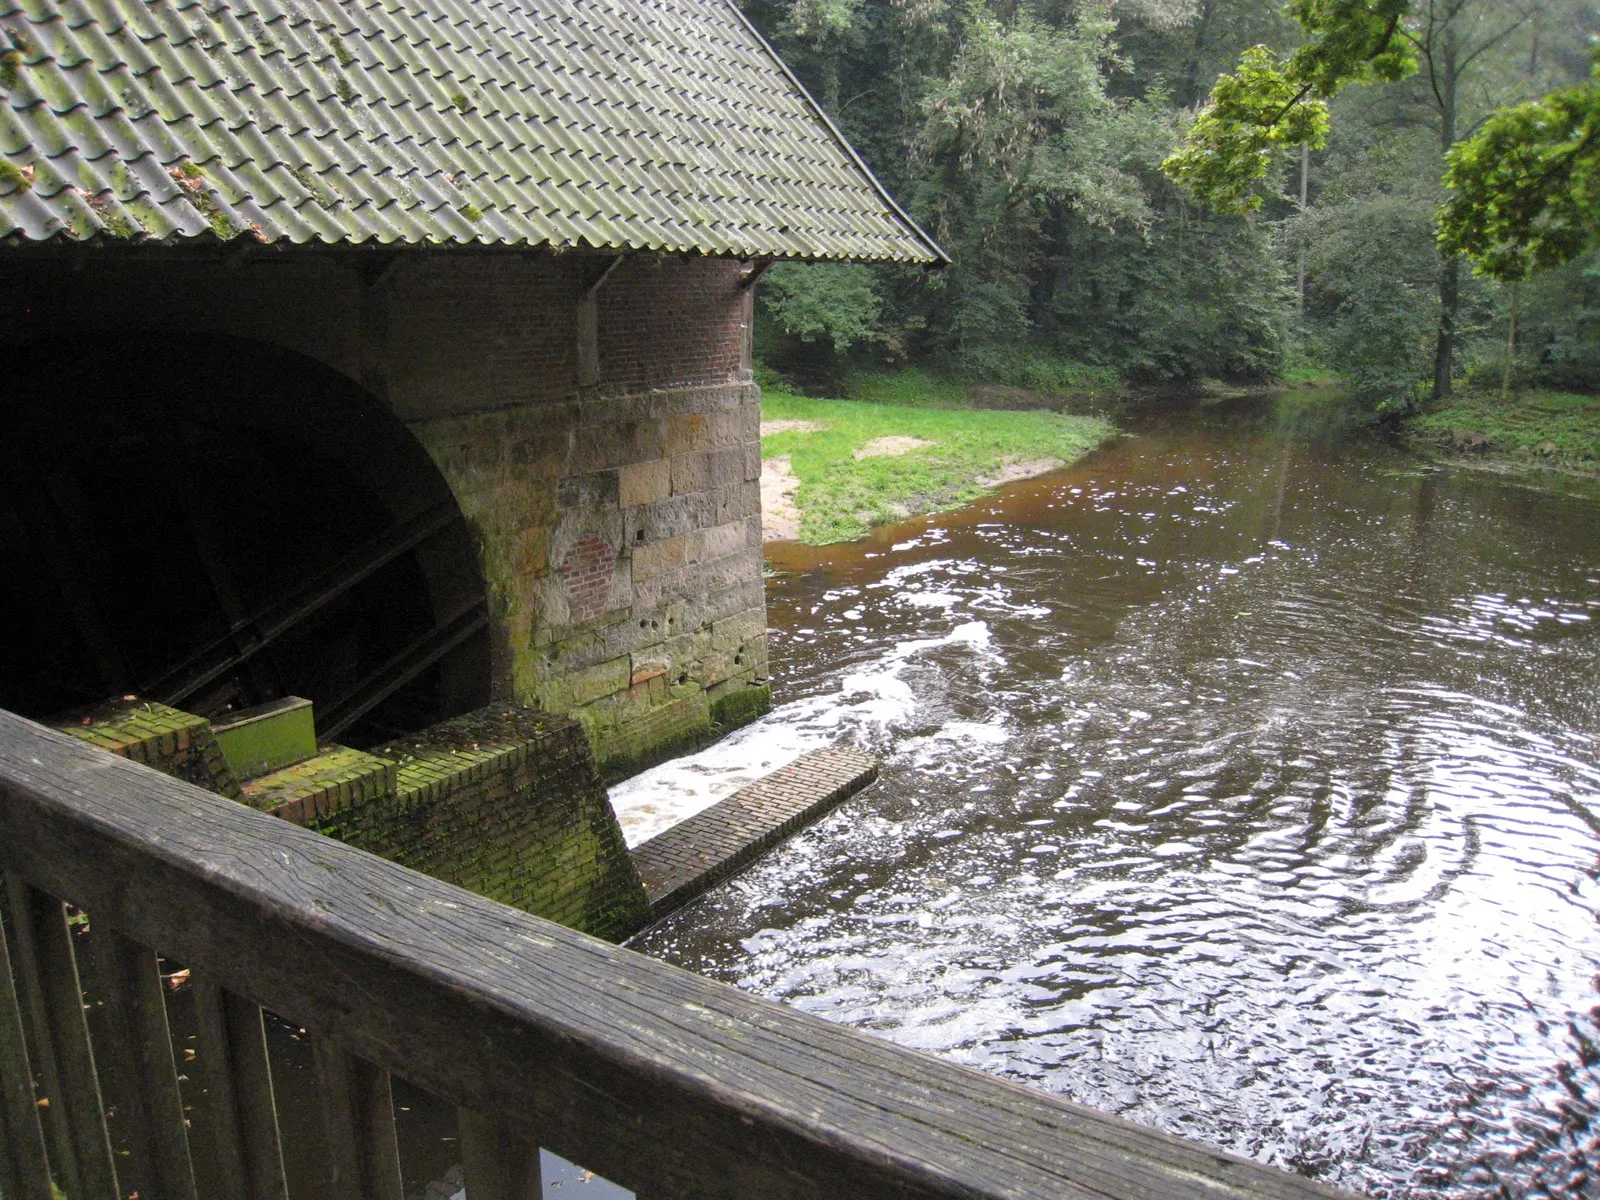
740	707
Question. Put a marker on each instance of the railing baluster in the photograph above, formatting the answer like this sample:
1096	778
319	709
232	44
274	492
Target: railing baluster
24	1169
53	999
500	1164
358	1118
241	1115
133	1045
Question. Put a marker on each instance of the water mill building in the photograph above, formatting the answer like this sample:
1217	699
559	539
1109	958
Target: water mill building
396	356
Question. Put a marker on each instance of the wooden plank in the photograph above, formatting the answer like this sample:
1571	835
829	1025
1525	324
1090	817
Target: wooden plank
240	1120
80	1151
138	1076
24	1168
500	1162
358	1121
651	1076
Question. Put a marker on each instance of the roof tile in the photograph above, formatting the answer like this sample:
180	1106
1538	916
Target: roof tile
631	124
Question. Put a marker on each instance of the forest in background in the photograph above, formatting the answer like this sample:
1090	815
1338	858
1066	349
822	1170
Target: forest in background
1027	135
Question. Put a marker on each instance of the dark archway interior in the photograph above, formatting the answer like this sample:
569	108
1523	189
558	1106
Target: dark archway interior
215	523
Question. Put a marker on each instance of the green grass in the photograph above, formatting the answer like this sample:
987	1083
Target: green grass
840	497
1523	426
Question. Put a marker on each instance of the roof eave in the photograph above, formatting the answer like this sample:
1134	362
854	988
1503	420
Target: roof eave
937	256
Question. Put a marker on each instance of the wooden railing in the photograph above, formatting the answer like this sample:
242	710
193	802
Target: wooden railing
667	1083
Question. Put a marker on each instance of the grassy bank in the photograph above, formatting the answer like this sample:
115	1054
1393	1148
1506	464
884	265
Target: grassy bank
860	463
1549	428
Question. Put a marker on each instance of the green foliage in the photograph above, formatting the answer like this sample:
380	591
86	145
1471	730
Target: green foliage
1559	339
1350	41
1024	139
1234	143
910	387
833	302
841	496
1037	369
1373	265
1272	103
1527	185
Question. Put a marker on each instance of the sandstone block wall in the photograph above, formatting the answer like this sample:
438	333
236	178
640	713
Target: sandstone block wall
620	517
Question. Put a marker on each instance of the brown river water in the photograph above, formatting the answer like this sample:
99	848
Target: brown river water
1242	780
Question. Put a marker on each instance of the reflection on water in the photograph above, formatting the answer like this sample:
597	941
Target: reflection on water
1242	785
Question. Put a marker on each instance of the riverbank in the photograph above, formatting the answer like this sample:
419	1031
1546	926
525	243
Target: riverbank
834	468
1534	428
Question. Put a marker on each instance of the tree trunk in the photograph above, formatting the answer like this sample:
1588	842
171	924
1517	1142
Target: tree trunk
1445	348
1305	195
1511	342
1445	72
1191	92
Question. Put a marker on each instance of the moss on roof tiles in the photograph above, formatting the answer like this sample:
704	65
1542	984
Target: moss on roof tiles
636	125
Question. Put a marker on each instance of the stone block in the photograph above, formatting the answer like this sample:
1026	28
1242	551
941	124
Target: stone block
644	483
726	427
669	518
655	558
694	472
721	540
686	432
735	500
595	489
602	679
739	628
576	653
649	666
595	447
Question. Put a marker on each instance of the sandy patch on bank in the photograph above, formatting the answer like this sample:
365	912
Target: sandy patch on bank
780	519
768	428
891	447
1013	469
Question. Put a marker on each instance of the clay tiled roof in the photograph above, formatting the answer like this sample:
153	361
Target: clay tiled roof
631	124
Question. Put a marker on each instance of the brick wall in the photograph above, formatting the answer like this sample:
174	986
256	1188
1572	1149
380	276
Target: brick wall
671	323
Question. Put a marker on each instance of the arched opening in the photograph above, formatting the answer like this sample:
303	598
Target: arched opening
214	523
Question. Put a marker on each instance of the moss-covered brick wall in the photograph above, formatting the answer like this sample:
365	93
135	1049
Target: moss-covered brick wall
506	802
606	454
165	739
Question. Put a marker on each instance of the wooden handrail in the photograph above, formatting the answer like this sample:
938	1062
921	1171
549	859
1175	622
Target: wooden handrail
665	1082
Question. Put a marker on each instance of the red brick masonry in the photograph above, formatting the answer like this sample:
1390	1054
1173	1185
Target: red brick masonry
719	842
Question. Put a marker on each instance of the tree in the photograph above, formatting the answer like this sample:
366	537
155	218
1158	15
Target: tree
1534	153
1527	185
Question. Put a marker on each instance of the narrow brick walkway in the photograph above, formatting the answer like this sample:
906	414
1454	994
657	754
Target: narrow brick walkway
722	840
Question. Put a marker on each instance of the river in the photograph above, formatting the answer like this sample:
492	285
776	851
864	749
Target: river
1241	780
